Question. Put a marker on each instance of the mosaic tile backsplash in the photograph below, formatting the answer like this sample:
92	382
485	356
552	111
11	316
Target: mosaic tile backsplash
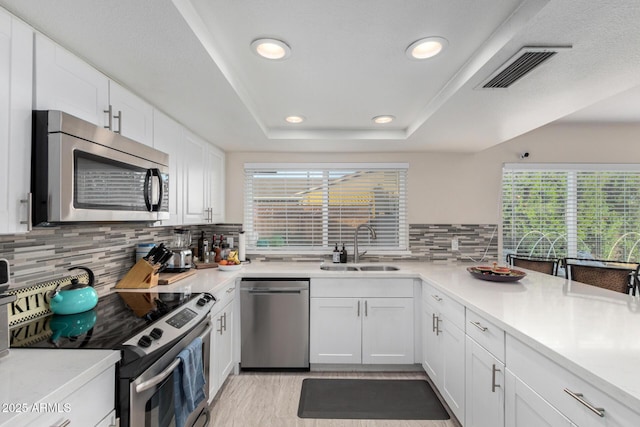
109	250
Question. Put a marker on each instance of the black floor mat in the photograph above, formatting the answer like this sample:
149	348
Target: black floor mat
369	399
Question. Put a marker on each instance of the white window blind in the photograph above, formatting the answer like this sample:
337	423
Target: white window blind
312	207
588	211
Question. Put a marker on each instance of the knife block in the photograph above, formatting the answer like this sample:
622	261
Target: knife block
141	276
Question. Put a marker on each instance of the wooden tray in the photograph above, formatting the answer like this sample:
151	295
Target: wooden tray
201	265
169	278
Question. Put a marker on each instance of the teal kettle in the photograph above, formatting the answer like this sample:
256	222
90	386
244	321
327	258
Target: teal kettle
74	298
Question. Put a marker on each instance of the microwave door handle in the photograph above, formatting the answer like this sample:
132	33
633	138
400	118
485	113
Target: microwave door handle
148	190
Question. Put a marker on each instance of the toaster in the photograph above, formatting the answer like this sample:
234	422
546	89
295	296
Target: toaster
182	260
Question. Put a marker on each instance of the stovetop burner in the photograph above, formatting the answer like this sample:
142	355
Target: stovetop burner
116	318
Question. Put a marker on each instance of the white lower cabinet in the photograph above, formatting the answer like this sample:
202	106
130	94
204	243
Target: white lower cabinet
361	330
577	400
91	405
526	408
361	321
443	347
221	355
484	387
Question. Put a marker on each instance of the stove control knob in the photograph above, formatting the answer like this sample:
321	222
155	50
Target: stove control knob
156	333
144	341
201	302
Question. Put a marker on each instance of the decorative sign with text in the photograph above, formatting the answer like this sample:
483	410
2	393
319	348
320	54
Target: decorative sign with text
32	302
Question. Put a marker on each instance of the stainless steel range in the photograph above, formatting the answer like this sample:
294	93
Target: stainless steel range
149	329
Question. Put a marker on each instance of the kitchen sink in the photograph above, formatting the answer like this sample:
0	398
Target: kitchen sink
378	268
338	268
371	267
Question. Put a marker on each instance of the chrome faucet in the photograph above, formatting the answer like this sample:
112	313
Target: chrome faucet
356	255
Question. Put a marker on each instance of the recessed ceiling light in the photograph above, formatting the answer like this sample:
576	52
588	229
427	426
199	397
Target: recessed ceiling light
426	48
271	48
294	119
381	120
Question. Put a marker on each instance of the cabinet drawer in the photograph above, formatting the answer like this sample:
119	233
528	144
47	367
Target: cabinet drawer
223	297
550	380
361	288
443	305
485	333
87	406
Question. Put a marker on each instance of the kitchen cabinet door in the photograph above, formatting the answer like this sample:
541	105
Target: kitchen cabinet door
167	137
193	184
452	375
132	116
387	330
444	357
215	184
526	408
16	59
65	82
335	330
484	398
431	352
221	362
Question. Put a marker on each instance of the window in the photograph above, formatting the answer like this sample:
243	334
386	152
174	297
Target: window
586	211
311	207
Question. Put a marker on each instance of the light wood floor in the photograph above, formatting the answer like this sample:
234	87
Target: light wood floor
271	400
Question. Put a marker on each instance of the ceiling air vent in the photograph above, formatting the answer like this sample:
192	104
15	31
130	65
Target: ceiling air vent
519	65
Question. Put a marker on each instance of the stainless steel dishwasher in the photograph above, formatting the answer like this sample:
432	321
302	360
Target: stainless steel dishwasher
274	323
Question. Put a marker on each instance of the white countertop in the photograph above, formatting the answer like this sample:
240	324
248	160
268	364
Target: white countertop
590	331
33	377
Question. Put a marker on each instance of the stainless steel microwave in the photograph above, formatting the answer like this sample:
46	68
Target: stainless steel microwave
81	172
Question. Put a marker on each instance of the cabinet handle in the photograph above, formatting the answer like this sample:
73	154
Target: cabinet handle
29	202
493	378
579	397
65	423
224	321
109	113
433	322
358	308
479	326
219	319
231	290
438	330
366	312
119	117
436	297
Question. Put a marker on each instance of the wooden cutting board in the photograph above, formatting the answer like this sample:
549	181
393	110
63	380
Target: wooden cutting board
169	278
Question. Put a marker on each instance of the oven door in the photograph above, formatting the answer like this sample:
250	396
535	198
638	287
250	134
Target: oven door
151	402
92	182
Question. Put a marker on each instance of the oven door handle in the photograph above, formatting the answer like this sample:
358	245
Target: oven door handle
146	385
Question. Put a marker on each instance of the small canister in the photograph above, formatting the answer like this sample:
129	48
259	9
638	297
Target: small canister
143	249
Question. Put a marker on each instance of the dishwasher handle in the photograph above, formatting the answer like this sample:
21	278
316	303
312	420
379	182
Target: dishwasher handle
273	290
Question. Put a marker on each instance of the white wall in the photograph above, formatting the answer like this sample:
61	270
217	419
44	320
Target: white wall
460	188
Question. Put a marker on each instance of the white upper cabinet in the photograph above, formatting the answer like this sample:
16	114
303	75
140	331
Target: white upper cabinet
167	137
16	59
193	178
215	182
131	115
65	82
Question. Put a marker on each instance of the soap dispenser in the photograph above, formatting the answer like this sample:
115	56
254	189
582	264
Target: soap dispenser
343	255
336	254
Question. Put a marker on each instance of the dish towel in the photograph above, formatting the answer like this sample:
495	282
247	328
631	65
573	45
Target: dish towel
188	381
